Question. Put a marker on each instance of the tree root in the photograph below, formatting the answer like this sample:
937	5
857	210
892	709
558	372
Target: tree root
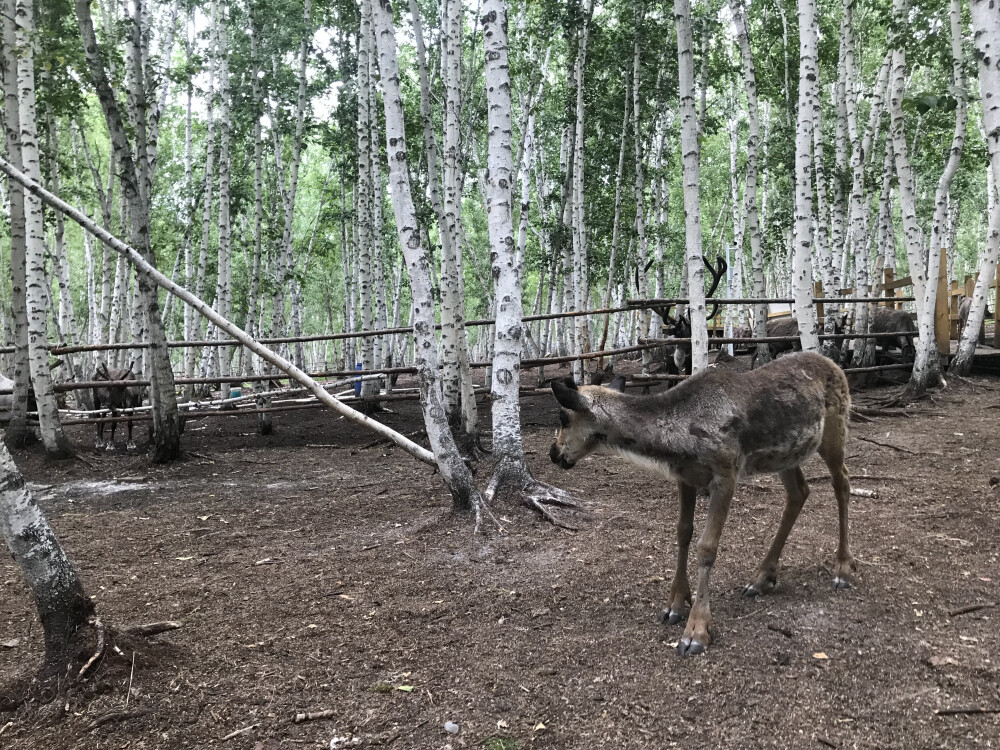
540	496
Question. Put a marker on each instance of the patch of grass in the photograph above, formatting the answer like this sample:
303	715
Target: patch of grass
499	743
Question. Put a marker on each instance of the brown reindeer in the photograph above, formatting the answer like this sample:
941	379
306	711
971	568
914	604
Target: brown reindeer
677	357
116	397
887	320
963	319
707	433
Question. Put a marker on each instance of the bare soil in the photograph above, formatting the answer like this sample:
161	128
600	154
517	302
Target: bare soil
315	570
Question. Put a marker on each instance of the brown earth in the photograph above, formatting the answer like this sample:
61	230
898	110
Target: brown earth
316	571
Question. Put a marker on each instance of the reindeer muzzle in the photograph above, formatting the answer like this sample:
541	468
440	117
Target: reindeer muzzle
558	460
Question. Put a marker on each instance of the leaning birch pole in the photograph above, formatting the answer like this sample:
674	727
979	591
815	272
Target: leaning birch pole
691	167
212	316
465	495
802	272
986	37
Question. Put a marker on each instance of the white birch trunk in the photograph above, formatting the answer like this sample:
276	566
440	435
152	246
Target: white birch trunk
223	288
986	37
453	469
63	607
691	168
55	442
805	311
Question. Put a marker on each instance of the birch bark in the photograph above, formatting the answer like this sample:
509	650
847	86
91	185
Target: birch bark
36	298
691	168
802	273
986	37
453	469
63	607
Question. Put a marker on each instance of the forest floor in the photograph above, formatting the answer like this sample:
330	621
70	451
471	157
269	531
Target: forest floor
318	570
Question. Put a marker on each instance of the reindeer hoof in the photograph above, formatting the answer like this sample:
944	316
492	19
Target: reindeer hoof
690	647
841	583
750	591
109	447
130	446
671	616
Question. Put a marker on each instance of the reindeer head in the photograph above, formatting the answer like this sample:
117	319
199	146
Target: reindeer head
581	430
101	373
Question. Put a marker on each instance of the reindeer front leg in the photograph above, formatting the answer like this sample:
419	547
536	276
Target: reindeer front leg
680	589
696	636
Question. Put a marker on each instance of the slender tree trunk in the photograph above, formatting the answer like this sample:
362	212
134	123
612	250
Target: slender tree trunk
986	37
456	474
691	168
802	274
223	288
55	442
17	429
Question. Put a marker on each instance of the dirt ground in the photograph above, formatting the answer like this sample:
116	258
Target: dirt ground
316	570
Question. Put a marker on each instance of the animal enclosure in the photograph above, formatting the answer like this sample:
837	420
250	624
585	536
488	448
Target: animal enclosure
316	570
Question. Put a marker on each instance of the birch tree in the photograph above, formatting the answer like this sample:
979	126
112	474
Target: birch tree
63	606
986	38
802	272
36	284
510	471
691	169
136	170
465	494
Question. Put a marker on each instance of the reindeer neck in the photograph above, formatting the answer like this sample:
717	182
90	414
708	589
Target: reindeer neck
655	426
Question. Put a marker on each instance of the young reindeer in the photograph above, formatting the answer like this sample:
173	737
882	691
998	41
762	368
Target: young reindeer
708	432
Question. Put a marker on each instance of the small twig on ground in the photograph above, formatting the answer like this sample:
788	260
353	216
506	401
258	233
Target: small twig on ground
779	629
887	445
321	445
967	710
239	732
99	651
866	411
862	492
826	742
312	716
6	726
83	461
131	674
114	716
153	628
972	608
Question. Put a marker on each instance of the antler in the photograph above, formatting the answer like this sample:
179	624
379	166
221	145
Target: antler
717	273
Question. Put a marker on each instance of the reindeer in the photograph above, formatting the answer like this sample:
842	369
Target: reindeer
116	397
887	320
788	326
963	318
708	432
677	357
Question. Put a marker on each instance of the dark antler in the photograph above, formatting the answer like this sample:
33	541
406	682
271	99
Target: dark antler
717	273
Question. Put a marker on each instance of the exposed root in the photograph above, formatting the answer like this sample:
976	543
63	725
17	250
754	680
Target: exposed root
541	496
153	628
98	650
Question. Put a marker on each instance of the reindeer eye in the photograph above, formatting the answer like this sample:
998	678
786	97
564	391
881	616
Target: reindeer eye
564	419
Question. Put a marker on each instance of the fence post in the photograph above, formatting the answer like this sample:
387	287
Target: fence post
818	293
942	322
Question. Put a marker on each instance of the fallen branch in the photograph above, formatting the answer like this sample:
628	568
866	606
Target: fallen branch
862	492
239	732
887	445
153	628
114	716
779	629
972	608
6	726
312	716
966	710
99	651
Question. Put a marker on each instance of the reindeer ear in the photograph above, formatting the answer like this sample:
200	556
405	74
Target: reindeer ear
618	384
568	396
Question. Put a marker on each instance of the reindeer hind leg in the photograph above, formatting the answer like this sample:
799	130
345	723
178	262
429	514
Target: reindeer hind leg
832	451
797	491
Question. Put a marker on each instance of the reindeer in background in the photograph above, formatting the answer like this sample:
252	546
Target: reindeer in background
707	433
677	357
115	397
